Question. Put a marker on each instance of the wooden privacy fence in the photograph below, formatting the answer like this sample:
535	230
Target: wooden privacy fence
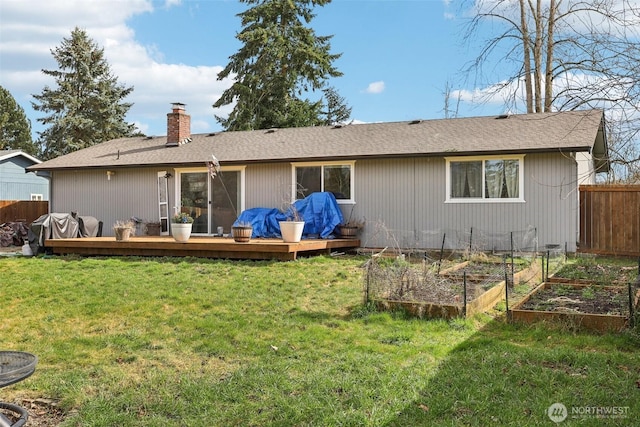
22	210
610	219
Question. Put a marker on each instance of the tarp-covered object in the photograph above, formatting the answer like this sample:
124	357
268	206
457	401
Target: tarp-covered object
60	226
320	212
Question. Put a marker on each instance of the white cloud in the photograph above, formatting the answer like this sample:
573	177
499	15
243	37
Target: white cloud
30	29
375	87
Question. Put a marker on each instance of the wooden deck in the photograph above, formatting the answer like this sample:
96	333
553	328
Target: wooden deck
204	247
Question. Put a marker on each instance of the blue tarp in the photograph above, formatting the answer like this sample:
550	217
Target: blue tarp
320	212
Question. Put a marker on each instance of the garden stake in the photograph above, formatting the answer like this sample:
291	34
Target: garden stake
464	294
444	236
506	302
512	263
542	262
504	268
546	278
470	239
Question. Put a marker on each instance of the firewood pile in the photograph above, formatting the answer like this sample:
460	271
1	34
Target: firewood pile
13	234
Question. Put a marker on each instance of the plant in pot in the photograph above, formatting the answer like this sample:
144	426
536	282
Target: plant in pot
153	228
124	229
242	231
181	224
350	227
292	228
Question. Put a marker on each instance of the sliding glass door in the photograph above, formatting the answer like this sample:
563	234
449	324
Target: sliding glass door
212	202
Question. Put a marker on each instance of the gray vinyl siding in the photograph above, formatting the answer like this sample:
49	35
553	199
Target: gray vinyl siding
15	184
267	186
404	204
129	193
402	200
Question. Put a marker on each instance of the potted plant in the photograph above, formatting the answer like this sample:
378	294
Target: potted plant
350	228
292	228
181	224
242	231
124	229
153	228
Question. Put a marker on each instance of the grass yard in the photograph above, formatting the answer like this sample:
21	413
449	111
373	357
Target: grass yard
197	342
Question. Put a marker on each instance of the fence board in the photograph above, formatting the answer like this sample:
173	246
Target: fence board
22	210
610	219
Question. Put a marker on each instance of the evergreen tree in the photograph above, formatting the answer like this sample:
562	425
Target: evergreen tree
281	60
336	111
15	128
86	108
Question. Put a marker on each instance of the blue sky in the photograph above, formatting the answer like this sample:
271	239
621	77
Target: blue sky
397	56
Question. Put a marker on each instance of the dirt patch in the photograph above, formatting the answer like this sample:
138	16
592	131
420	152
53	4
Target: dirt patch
10	249
42	413
587	300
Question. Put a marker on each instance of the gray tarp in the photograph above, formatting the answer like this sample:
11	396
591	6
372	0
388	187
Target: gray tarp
88	226
60	226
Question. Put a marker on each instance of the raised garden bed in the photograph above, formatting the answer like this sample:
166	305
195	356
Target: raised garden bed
484	271
588	306
442	295
594	270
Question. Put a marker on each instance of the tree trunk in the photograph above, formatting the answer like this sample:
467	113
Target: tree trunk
527	57
537	56
548	79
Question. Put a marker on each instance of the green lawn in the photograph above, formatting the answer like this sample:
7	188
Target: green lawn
195	342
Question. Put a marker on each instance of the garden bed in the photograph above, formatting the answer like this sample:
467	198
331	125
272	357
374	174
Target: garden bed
596	271
443	295
588	306
479	272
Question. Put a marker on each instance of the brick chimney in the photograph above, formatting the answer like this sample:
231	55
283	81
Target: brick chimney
178	126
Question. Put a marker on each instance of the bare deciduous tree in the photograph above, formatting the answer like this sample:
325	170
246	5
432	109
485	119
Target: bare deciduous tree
565	55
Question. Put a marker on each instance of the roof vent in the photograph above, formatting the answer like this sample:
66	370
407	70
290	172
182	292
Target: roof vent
338	126
503	116
212	134
415	122
270	131
149	137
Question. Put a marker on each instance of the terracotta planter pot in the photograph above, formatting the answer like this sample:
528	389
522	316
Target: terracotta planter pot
181	231
242	234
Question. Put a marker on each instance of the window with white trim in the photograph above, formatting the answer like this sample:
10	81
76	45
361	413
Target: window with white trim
336	178
36	197
486	179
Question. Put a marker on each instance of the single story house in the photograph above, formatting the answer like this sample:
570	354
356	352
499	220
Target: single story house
412	182
15	183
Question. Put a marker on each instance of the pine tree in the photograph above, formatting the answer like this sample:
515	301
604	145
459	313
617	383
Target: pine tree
336	111
281	61
86	108
15	128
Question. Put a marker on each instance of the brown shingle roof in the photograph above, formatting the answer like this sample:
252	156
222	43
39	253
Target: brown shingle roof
544	132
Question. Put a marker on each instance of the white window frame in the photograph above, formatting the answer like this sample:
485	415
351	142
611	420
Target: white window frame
352	187
36	197
484	199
